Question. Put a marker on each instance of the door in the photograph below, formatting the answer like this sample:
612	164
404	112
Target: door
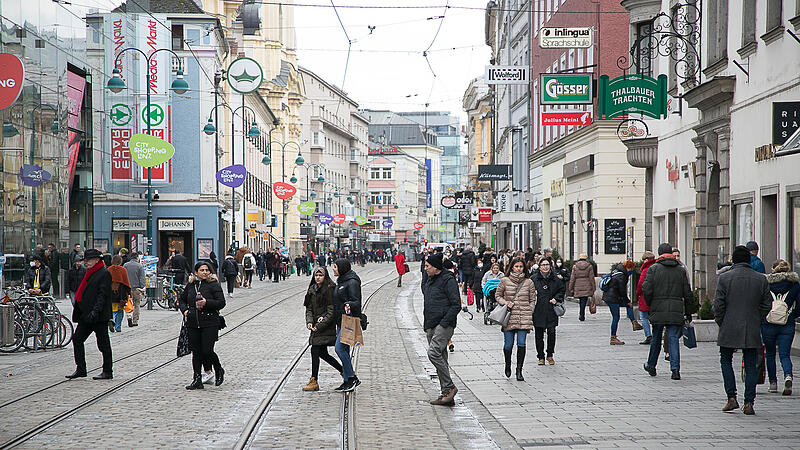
768	247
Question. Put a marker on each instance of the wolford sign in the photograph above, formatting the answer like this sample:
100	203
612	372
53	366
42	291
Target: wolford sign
12	77
632	94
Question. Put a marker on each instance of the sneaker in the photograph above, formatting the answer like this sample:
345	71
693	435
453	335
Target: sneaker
651	371
344	387
355	383
773	387
207	377
231	294
541	362
787	385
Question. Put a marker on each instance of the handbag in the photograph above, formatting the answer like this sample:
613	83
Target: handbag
183	342
128	306
689	336
559	309
222	323
592	306
499	316
470	297
406	269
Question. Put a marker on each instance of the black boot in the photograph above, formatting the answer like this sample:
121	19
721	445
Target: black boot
220	375
507	356
197	383
520	362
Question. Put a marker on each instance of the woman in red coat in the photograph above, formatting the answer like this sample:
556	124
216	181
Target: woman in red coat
648	259
400	264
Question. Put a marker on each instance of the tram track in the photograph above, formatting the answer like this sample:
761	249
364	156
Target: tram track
291	292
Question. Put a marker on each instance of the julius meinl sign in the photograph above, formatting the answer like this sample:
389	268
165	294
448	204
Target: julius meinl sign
632	94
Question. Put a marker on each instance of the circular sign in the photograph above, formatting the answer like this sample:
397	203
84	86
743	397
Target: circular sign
284	190
442	228
120	114
388	223
150	151
448	201
324	218
418	226
245	75
307	208
154	114
632	129
12	77
360	220
232	176
338	219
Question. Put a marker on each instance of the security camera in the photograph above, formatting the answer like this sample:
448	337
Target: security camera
155	194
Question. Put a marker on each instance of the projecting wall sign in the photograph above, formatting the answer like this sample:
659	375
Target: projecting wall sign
566	37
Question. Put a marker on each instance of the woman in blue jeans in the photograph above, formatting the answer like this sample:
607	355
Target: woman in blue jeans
346	300
517	292
784	285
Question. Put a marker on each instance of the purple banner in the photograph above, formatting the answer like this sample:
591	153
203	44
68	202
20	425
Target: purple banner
325	218
232	176
388	223
429	201
33	175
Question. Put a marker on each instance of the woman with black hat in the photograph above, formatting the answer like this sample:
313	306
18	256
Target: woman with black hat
346	300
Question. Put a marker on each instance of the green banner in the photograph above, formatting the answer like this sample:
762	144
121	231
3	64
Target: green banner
307	208
632	94
565	89
150	151
361	220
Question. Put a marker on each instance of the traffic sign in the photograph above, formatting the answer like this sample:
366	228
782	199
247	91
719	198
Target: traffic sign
251	232
566	118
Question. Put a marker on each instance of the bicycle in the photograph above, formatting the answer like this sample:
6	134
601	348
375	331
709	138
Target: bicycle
38	323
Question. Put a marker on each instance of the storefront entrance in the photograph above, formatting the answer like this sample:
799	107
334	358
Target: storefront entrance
176	235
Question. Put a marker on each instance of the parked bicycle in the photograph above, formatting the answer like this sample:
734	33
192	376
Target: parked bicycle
38	323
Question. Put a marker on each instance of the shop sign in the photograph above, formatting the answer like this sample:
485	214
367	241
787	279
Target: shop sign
283	190
448	201
484	214
785	121
76	85
367	226
672	171
578	167
632	94
12	78
232	176
360	220
387	223
324	218
150	151
128	224
418	226
506	75
614	236
383	151
245	75
307	208
339	219
251	233
566	118
504	201
494	172
557	188
175	224
566	88
765	152
265	236
32	175
632	129
479	230
565	37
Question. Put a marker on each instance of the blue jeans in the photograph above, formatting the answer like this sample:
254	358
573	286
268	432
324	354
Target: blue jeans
614	307
644	317
343	351
508	338
118	315
673	336
583	301
782	336
749	355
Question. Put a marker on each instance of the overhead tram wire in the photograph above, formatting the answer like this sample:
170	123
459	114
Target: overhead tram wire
347	58
423	7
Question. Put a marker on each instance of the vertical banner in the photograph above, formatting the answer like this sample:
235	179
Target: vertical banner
121	123
75	88
120	154
429	197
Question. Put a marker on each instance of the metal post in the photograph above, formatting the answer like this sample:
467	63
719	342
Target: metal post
244	160
233	190
283	202
217	79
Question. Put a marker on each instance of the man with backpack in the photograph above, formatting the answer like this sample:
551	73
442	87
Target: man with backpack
741	302
249	266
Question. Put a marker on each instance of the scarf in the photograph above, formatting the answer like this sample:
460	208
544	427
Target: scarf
85	280
516	277
119	276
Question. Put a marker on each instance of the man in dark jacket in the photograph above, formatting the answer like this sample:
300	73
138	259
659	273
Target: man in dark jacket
229	270
346	300
755	261
442	304
616	296
37	277
92	312
667	293
467	264
180	266
741	302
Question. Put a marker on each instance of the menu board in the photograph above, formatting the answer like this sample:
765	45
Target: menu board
615	236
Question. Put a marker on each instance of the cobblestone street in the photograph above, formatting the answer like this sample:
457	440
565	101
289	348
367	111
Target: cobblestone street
595	396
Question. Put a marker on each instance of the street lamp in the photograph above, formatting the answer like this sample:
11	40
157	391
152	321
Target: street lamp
116	84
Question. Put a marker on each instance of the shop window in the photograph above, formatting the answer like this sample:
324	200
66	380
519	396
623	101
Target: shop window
177	37
743	223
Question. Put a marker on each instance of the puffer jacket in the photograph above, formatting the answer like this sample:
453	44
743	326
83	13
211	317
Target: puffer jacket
667	293
783	283
547	287
522	292
211	290
639	295
319	303
442	300
618	290
467	262
581	282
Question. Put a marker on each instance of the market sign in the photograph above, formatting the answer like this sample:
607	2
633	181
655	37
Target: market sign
383	151
632	94
565	37
448	201
494	172
565	88
360	220
284	190
232	176
150	151
785	121
387	223
506	75
566	118
12	78
484	214
32	175
307	208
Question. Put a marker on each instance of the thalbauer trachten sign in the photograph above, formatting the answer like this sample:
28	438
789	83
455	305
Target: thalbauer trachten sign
566	37
632	94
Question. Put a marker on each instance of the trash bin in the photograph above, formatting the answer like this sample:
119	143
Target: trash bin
6	324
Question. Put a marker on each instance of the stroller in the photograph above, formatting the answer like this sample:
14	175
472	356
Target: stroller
489	290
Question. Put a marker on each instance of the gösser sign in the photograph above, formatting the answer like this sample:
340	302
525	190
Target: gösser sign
565	37
566	89
506	75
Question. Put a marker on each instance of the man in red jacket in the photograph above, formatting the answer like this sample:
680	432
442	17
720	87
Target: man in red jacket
648	258
400	265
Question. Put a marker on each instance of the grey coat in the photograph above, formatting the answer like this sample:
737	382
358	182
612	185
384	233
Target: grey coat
741	302
136	274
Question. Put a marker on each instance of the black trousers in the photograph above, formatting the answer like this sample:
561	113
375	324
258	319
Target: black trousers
468	280
551	341
248	277
82	332
321	352
276	273
231	279
201	342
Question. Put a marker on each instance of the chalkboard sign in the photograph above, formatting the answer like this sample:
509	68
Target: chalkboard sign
615	236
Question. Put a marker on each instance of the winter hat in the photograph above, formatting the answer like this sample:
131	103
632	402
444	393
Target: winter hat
664	248
447	264
92	253
781	266
436	260
751	246
740	255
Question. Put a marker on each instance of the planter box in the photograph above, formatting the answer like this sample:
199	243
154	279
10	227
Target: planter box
706	330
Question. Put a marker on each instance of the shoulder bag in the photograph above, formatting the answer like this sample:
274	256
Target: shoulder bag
500	315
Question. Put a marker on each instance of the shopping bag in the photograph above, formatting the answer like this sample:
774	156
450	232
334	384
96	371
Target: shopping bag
499	315
350	333
592	306
183	342
470	297
128	307
689	336
406	269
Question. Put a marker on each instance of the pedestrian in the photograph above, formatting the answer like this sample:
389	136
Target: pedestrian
75	276
549	292
346	300
91	312
53	263
741	302
755	261
200	303
582	284
466	265
490	295
669	298
561	272
74	253
120	290
518	293
37	277
320	321
180	267
212	258
616	296
274	264
138	282
779	330
648	259
249	266
442	303
400	265
477	286
230	269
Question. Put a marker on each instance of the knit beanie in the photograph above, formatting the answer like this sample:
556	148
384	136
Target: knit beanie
740	255
664	248
436	260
